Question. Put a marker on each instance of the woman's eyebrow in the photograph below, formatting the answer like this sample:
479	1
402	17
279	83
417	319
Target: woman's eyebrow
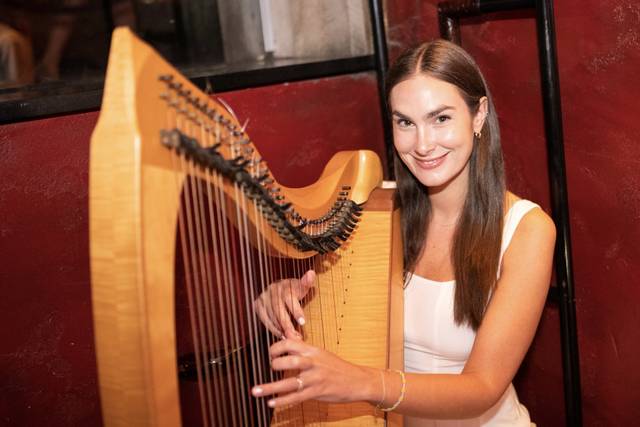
439	110
429	115
400	115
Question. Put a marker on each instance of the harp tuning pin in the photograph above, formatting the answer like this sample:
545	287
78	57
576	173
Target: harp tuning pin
165	78
214	148
346	187
285	207
342	236
169	139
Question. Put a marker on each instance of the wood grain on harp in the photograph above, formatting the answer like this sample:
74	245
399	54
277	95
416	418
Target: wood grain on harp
182	206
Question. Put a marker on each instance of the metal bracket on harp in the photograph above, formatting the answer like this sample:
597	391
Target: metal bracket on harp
342	217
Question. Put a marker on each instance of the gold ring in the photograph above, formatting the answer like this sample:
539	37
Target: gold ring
300	383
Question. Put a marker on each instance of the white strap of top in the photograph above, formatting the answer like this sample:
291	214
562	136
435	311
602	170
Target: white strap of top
515	214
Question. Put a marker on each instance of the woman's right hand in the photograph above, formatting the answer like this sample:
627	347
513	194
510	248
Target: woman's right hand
280	301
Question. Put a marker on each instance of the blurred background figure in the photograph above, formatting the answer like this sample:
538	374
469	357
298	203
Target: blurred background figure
36	38
16	58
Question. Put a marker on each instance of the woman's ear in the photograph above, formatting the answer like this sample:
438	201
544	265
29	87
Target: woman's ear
481	115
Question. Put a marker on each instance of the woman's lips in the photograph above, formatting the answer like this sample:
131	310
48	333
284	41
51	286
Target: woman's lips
430	163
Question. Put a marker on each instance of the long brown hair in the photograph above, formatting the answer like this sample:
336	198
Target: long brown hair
478	236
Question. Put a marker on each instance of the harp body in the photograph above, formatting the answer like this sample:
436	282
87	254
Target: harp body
135	198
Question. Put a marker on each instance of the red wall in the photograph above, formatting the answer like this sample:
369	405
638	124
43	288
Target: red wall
47	368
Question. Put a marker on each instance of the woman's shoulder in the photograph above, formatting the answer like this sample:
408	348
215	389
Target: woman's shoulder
535	223
528	237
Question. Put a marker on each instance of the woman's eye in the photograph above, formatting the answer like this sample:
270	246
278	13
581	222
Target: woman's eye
442	119
403	123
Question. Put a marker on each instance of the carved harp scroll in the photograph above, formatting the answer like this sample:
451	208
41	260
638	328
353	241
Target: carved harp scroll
167	162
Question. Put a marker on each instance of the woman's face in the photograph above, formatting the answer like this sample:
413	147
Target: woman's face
433	130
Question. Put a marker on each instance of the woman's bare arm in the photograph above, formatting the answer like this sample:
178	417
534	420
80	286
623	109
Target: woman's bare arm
502	341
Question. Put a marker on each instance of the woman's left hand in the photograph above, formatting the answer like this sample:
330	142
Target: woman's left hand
322	376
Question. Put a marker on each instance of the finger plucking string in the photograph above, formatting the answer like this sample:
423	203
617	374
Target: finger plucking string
286	346
283	316
287	385
286	363
265	318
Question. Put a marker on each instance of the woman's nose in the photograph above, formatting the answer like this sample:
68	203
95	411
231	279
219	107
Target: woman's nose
424	143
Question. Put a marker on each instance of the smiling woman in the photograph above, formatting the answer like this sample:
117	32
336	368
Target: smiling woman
431	124
477	262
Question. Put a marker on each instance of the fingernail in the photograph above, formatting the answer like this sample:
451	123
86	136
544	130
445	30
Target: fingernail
283	337
301	321
257	391
271	403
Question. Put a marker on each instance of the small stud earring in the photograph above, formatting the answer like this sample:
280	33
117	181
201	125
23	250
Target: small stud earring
477	134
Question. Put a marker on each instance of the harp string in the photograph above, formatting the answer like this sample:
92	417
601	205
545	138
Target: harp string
221	342
205	271
189	251
231	286
296	273
186	250
224	285
261	337
217	375
270	276
192	270
245	278
227	266
261	333
203	302
220	407
173	121
208	294
254	338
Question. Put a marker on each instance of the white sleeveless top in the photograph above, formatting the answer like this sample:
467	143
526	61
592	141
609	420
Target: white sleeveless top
433	343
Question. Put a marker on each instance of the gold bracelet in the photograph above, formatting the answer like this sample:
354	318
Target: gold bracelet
384	391
402	390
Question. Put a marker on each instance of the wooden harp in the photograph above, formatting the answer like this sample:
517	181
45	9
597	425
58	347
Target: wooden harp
179	194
